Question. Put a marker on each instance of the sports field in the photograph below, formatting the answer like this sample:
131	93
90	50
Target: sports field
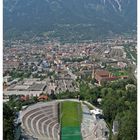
71	115
120	73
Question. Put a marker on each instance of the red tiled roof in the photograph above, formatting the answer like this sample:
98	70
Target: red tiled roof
44	97
24	98
112	78
102	73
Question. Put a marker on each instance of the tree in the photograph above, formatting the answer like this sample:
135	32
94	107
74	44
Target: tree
53	96
128	126
109	106
8	127
104	92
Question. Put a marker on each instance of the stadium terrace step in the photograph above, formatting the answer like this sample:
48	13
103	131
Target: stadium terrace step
41	121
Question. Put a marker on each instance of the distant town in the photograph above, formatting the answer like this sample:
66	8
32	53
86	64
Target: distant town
32	69
44	79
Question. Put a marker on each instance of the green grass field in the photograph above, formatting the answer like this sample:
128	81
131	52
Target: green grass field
71	117
71	114
120	73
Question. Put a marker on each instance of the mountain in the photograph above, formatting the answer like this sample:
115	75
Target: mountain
104	16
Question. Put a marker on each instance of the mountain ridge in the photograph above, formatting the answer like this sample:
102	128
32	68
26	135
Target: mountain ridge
42	15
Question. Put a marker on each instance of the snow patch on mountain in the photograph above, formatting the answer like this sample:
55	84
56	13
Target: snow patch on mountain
120	7
116	4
